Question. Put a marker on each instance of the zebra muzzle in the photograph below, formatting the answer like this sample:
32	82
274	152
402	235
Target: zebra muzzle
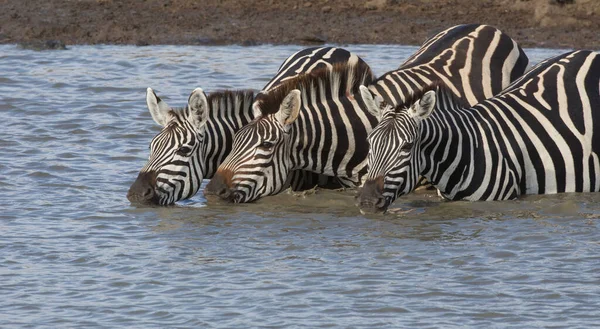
219	186
142	190
370	197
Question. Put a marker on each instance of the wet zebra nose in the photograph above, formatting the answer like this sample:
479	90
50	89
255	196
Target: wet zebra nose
148	193
224	193
219	186
142	190
370	197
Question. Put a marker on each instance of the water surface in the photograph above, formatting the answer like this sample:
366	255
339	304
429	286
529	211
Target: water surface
75	253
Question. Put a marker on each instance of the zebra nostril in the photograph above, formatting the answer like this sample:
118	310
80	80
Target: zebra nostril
148	193
223	192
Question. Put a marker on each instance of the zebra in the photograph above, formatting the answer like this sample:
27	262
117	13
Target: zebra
306	61
195	139
541	135
475	61
321	124
321	117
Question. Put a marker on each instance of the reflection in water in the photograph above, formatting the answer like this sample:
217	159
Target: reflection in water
76	253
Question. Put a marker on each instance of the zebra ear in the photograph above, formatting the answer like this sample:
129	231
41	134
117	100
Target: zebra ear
198	104
289	108
424	106
372	102
255	110
157	107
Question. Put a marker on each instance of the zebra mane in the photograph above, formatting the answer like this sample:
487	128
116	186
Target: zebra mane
225	102
344	79
439	87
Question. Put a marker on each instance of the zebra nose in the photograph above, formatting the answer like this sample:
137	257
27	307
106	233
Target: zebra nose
142	190
370	196
148	193
224	193
219	186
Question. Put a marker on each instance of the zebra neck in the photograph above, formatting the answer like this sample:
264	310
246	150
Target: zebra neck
449	148
230	110
332	139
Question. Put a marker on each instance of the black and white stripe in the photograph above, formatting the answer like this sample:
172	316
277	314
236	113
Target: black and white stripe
308	60
192	143
474	61
539	136
305	61
207	132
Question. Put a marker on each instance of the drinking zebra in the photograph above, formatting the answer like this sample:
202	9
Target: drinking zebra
315	122
539	136
475	62
195	139
320	122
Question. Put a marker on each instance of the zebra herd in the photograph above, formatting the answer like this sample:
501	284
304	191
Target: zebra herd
461	112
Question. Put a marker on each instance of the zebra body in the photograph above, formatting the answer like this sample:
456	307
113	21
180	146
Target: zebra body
333	121
539	136
195	139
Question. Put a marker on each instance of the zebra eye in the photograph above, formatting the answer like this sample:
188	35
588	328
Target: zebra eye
184	150
407	146
266	144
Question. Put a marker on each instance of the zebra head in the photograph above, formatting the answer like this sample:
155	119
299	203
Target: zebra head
259	163
394	146
174	169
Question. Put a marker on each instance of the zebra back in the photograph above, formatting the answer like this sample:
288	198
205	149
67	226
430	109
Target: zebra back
474	61
308	60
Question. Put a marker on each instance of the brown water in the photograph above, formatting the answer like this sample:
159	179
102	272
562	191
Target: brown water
75	253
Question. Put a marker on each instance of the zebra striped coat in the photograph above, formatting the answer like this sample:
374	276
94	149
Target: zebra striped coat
474	61
539	136
195	139
316	122
334	116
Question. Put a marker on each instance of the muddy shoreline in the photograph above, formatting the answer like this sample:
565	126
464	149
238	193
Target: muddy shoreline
533	23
